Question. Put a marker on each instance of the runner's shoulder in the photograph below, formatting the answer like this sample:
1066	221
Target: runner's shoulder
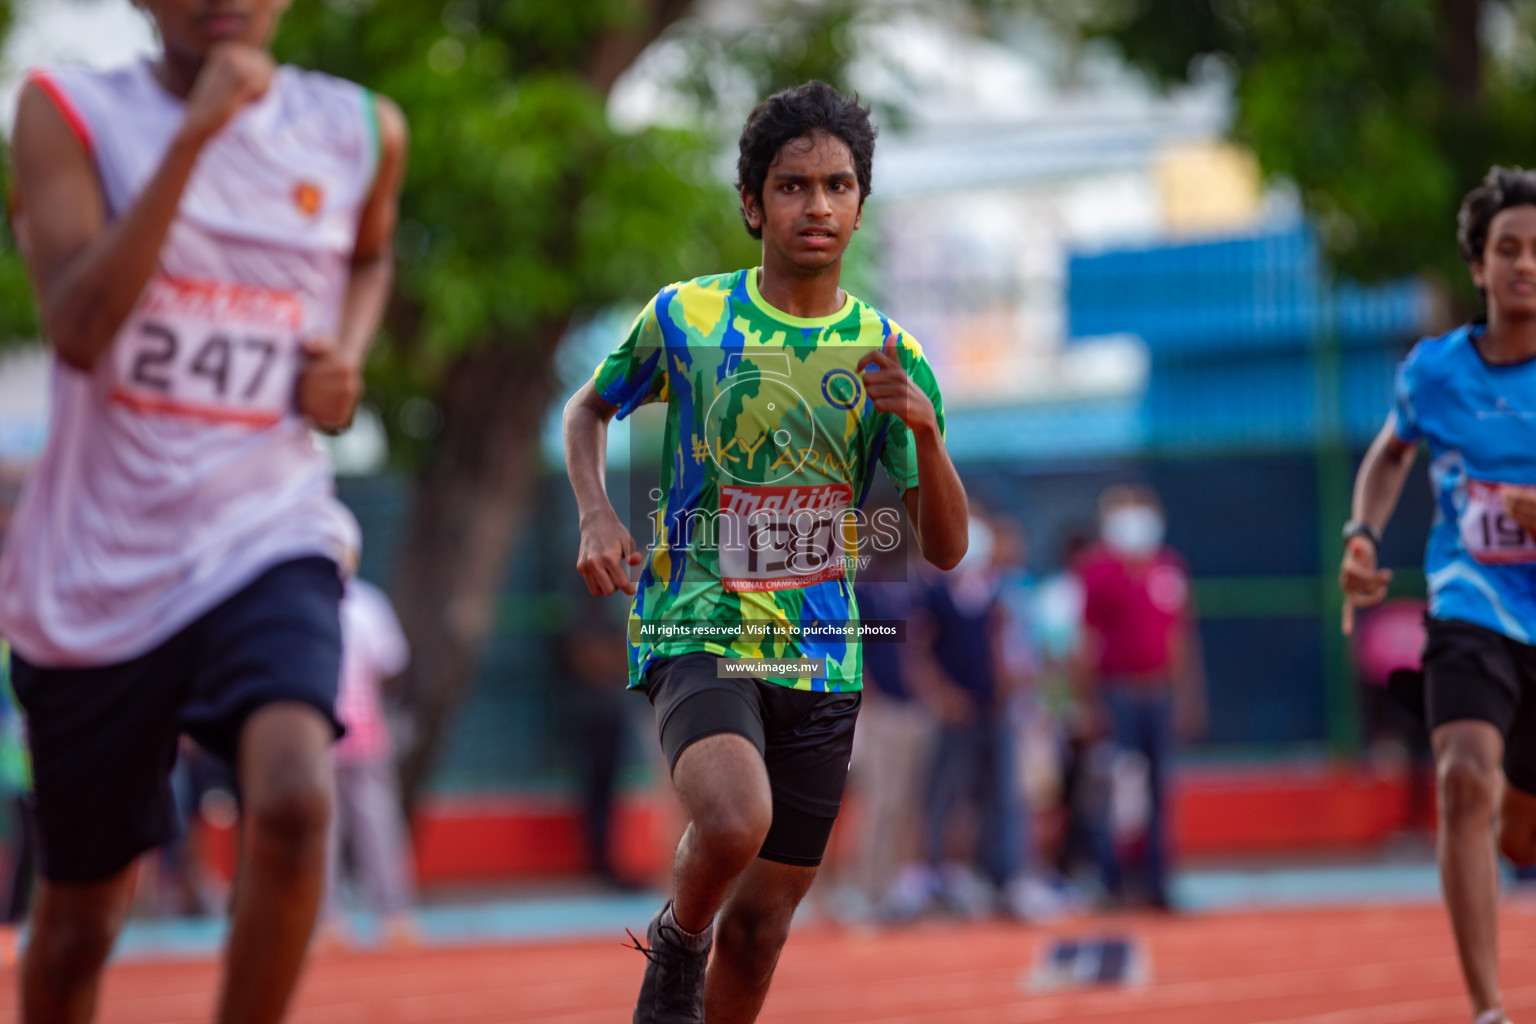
67	91
335	98
113	81
704	296
1438	358
321	83
877	327
709	287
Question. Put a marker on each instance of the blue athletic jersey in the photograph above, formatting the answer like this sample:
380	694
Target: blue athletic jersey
1479	421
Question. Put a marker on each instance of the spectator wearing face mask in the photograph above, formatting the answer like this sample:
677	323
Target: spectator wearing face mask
892	747
961	669
1139	672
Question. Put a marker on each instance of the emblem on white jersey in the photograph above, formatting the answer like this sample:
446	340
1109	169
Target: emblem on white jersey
307	197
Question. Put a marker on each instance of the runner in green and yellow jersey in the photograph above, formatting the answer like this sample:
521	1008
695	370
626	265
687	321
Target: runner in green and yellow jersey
783	392
767	429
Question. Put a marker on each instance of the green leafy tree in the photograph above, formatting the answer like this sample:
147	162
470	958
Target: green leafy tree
1383	113
18	313
789	42
524	211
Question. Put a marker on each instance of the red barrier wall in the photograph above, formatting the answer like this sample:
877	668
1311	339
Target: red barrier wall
1225	810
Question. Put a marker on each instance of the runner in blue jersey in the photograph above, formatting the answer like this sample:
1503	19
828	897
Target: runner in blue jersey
1470	397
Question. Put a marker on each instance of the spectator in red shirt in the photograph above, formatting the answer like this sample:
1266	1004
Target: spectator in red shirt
1140	669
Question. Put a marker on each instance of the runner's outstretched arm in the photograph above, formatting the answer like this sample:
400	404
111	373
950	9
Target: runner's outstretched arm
936	504
607	549
332	381
1377	488
89	273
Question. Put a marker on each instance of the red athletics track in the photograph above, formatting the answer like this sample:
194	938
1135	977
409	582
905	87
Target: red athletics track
1383	965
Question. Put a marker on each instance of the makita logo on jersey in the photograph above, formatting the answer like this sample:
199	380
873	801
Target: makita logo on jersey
747	501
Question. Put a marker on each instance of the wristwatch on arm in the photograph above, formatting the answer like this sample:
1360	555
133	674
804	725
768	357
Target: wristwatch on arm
1359	528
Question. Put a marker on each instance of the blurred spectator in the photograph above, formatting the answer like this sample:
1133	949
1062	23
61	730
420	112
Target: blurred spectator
1058	630
16	790
1015	588
1056	619
596	657
1388	643
15	764
368	823
1030	752
1141	671
967	683
204	790
894	739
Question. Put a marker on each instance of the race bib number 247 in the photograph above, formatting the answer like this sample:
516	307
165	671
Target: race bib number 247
210	350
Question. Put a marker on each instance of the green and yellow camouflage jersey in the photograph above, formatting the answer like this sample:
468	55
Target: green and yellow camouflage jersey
770	449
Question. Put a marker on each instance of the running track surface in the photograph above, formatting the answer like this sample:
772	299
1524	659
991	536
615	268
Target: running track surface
1371	965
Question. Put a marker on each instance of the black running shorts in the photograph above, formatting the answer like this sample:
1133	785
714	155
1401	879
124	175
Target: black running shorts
104	738
805	738
1471	672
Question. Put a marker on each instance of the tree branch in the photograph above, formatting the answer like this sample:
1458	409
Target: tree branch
618	48
1461	54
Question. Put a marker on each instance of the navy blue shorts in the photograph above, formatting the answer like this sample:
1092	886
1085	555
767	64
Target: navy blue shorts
104	738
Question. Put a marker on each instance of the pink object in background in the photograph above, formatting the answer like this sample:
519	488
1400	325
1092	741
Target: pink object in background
373	649
1389	638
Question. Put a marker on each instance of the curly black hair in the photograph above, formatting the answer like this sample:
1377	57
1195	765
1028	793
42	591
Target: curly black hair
1502	188
794	114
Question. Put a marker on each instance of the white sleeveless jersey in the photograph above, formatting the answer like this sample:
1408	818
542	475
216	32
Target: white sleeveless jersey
177	470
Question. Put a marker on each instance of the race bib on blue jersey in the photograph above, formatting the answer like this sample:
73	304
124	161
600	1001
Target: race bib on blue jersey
1490	534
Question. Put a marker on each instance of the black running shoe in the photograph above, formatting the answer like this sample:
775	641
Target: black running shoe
673	989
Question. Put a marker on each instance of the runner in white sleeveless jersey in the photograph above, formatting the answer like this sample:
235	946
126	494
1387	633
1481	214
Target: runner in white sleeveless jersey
209	237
